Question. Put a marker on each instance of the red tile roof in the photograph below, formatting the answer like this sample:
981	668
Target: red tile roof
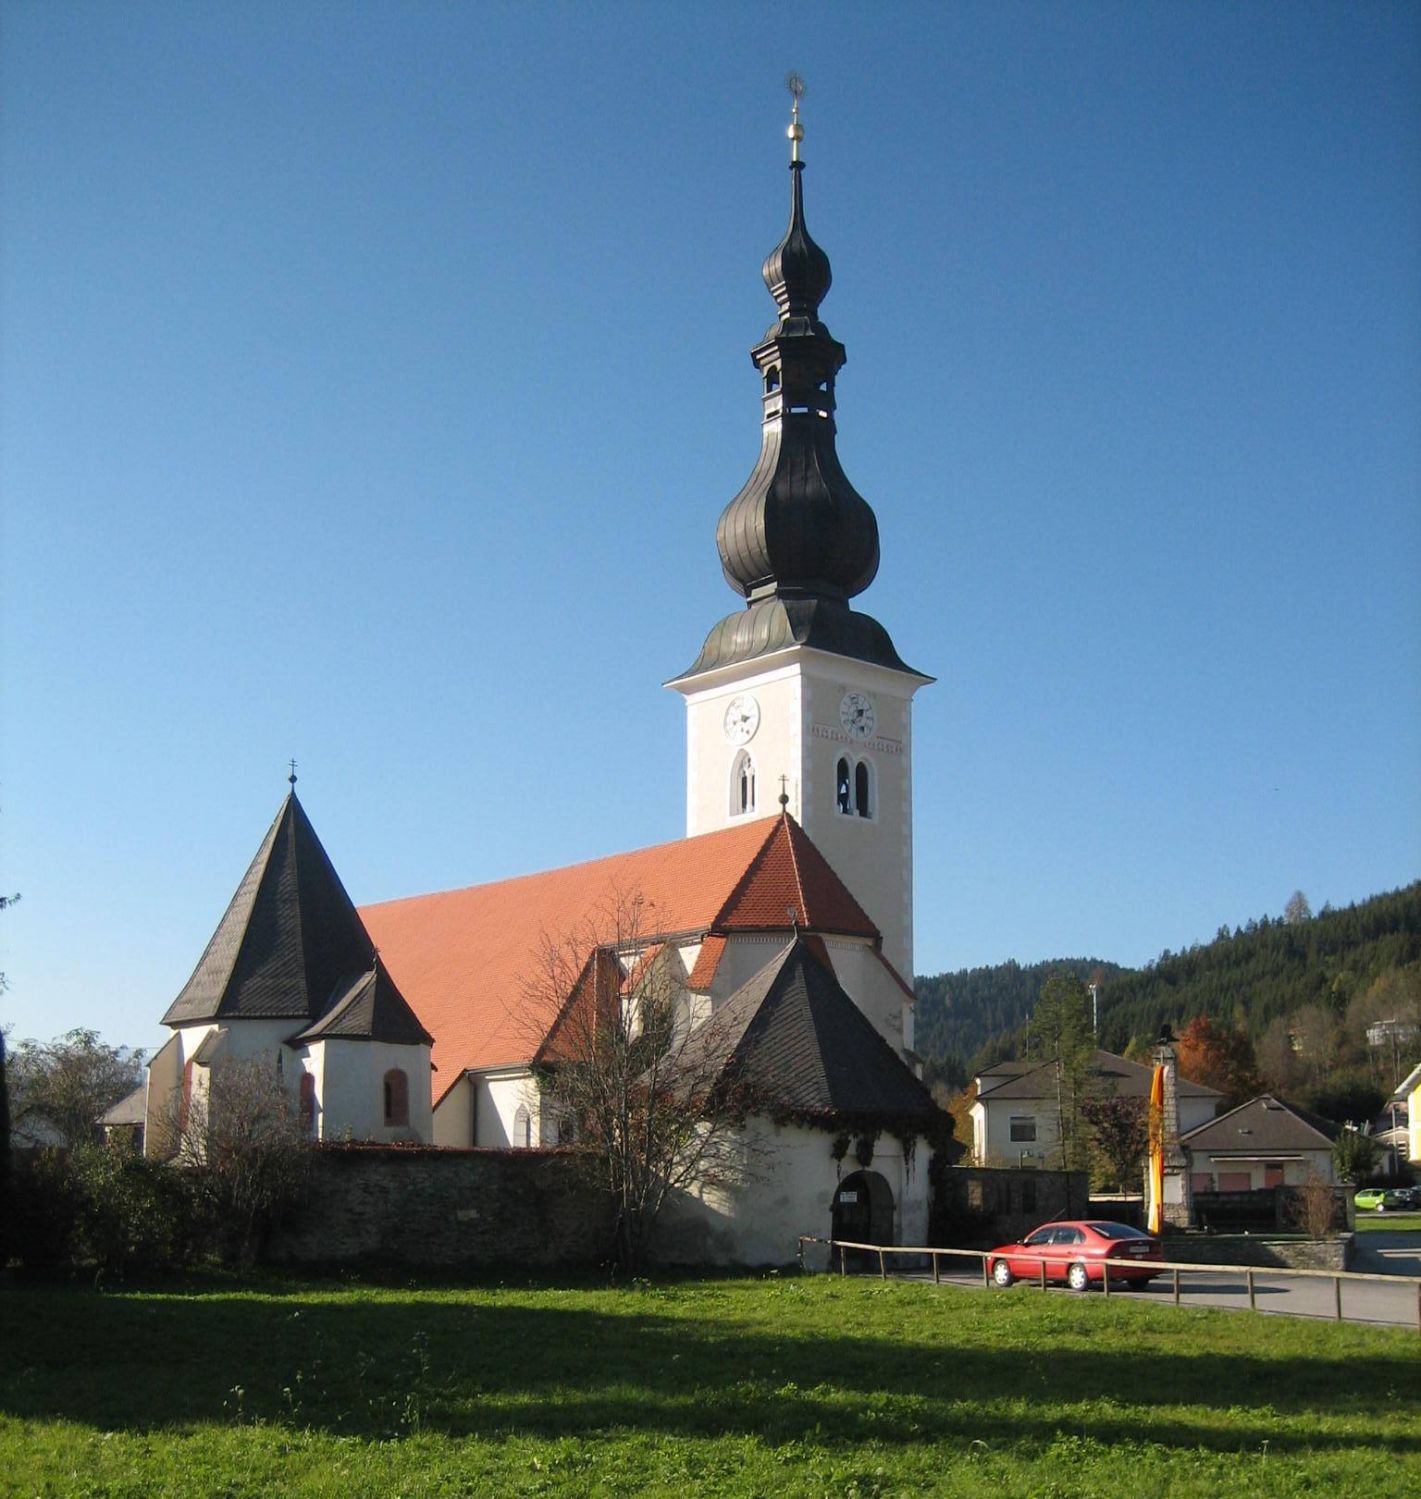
467	960
707	964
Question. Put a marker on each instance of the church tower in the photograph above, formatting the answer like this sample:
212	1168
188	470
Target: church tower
797	700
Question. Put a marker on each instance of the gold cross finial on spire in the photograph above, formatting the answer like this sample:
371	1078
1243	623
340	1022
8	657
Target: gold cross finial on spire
795	84
292	776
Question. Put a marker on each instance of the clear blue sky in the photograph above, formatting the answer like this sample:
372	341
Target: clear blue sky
373	376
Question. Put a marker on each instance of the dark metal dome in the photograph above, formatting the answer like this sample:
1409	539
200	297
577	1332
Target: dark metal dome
798	528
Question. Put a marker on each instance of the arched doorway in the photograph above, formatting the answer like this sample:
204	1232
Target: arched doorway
862	1212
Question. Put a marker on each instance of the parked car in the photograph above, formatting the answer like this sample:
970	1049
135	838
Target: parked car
1077	1252
1383	1199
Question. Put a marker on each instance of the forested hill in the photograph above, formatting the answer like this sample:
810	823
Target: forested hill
1342	964
1268	969
961	1017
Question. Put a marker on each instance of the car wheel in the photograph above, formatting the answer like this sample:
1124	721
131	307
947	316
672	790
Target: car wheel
1001	1273
1078	1277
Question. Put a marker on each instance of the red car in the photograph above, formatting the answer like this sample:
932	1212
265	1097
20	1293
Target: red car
1077	1253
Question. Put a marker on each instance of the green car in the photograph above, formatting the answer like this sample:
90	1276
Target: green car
1380	1199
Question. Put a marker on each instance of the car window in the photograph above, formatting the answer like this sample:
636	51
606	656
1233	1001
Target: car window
1070	1236
1041	1236
1118	1231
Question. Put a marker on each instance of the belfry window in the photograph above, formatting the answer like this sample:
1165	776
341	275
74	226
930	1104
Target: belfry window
772	379
841	788
742	784
861	789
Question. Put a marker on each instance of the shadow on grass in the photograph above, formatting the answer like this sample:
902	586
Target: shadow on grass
547	1363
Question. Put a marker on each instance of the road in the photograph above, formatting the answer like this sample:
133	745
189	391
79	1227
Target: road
1365	1301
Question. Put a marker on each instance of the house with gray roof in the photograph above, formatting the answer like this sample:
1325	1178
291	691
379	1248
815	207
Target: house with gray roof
1266	1142
1014	1119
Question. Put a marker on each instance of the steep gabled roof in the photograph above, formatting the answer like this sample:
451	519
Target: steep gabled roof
1263	1125
790	883
288	937
791	1035
369	1008
1109	1074
465	958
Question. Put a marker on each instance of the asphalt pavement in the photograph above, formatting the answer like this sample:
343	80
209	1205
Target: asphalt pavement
1390	1296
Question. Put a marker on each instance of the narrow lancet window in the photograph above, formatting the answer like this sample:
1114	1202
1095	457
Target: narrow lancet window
742	784
861	789
397	1097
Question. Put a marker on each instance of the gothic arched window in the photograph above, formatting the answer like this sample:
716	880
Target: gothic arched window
842	792
742	784
397	1097
522	1127
862	787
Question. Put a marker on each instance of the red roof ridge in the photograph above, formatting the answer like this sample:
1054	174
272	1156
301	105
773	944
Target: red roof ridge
726	833
752	868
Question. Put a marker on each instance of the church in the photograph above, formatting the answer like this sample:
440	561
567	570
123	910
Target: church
782	922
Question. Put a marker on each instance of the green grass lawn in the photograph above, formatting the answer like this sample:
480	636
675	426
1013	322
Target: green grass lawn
1391	1223
816	1386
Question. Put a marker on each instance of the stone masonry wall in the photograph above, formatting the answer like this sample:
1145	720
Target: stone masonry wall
1249	1249
444	1208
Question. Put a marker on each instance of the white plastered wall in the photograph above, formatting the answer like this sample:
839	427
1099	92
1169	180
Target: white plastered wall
350	1087
495	1096
801	738
787	1190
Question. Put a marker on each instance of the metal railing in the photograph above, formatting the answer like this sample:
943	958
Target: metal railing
1174	1267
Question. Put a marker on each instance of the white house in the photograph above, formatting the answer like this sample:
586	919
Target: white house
1015	1116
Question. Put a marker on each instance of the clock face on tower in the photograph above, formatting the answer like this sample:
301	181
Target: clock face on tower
857	715
742	718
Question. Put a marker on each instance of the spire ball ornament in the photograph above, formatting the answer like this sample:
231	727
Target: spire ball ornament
795	84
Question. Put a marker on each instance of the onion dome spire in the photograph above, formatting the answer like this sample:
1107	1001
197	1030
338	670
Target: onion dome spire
799	540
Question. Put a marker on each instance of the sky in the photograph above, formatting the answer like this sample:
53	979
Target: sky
372	378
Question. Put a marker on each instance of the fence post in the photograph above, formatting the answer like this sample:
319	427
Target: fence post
1043	1272
987	1279
882	1267
1337	1294
1252	1293
1176	1285
843	1261
1105	1276
937	1276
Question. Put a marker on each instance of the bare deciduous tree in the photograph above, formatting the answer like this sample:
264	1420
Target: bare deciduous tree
242	1138
633	1071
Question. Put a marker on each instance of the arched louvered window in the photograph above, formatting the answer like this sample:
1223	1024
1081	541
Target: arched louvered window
522	1127
862	789
742	784
842	793
397	1097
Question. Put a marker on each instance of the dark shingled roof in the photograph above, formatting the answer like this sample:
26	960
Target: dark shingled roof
791	1034
289	936
1263	1124
370	1008
1108	1074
